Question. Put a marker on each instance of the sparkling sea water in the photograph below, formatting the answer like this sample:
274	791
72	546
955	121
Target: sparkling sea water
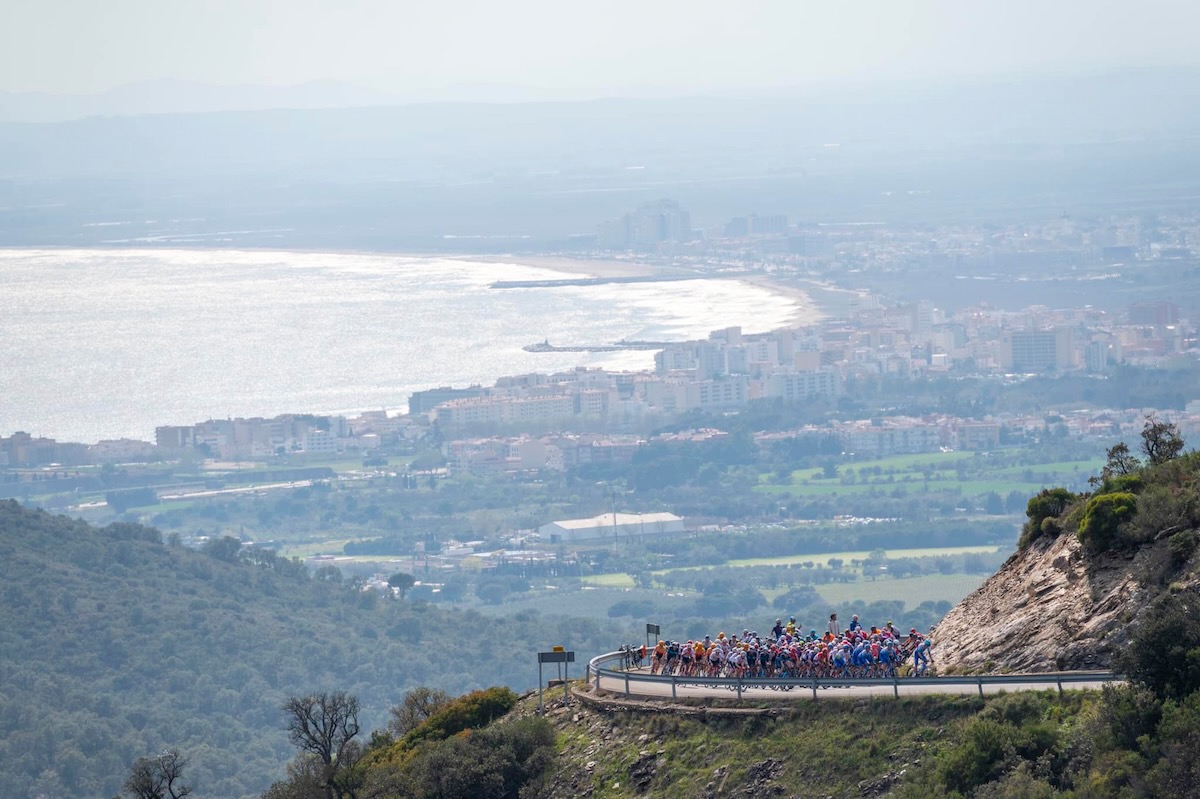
98	344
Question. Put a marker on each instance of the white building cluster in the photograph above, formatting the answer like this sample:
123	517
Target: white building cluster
726	370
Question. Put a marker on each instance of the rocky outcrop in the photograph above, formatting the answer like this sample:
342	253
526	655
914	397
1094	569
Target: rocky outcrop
1051	607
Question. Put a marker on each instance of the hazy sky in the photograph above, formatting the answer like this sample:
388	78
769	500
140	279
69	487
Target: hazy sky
576	47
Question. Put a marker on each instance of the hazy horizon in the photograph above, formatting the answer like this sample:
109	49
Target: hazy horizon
540	49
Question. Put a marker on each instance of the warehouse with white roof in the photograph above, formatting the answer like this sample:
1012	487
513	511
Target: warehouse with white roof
611	527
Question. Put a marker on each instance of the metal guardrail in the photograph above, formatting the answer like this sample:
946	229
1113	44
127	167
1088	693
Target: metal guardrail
597	668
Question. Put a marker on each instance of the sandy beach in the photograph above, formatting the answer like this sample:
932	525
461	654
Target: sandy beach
594	267
808	311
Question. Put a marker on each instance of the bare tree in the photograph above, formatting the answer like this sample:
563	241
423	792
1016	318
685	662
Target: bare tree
417	705
159	777
324	725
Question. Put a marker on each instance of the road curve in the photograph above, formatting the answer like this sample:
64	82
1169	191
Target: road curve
640	685
649	690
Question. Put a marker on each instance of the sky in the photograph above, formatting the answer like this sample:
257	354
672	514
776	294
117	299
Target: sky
575	49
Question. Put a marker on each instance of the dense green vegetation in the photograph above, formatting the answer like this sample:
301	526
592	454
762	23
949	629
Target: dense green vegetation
1133	502
115	645
436	746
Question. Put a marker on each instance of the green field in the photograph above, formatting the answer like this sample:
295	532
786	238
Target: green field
912	591
590	602
1087	467
931	472
610	580
941	481
824	558
593	601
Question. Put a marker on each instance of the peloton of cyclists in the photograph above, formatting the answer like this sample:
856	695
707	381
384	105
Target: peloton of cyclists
786	652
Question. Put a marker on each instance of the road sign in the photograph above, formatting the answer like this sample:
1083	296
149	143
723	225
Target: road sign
557	656
651	629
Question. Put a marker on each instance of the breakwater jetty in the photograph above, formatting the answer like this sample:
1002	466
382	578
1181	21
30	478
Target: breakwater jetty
546	346
589	281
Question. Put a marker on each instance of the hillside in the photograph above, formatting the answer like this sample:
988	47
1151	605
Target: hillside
115	645
1017	746
1090	569
1105	579
1050	607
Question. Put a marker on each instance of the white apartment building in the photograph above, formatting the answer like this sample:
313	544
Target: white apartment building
793	386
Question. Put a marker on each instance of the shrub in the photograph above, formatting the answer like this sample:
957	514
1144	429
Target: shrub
1182	545
1100	528
498	761
1017	784
1164	653
1128	483
1047	504
1165	509
980	757
470	711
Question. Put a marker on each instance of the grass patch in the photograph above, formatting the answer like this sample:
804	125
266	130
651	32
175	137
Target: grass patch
932	472
610	580
1088	467
912	591
830	746
824	558
590	603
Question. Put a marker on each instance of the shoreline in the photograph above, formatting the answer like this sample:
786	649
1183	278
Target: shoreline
809	309
722	306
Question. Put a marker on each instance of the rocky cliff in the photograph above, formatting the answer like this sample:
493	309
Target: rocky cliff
1052	606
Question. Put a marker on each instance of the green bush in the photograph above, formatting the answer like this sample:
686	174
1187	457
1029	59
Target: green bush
1165	509
1100	528
1122	483
1164	653
1177	774
981	757
502	761
470	711
1017	784
1182	545
1049	503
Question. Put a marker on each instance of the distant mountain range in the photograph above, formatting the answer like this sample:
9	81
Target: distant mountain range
173	96
184	97
338	166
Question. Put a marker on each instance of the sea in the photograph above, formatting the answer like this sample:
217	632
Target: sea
101	344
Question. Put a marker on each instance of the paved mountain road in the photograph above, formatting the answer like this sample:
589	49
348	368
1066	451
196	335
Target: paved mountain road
645	689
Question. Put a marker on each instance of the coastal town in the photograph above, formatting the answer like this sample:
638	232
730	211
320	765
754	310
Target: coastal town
606	413
839	390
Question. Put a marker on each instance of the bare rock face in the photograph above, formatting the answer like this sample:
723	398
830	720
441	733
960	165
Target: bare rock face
1051	607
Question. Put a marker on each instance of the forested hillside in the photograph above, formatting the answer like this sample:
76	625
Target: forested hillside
115	645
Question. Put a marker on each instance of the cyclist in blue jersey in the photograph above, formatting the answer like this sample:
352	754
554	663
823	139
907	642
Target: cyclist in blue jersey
922	656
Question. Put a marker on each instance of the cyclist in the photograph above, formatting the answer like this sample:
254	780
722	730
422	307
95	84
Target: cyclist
660	655
922	657
686	656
